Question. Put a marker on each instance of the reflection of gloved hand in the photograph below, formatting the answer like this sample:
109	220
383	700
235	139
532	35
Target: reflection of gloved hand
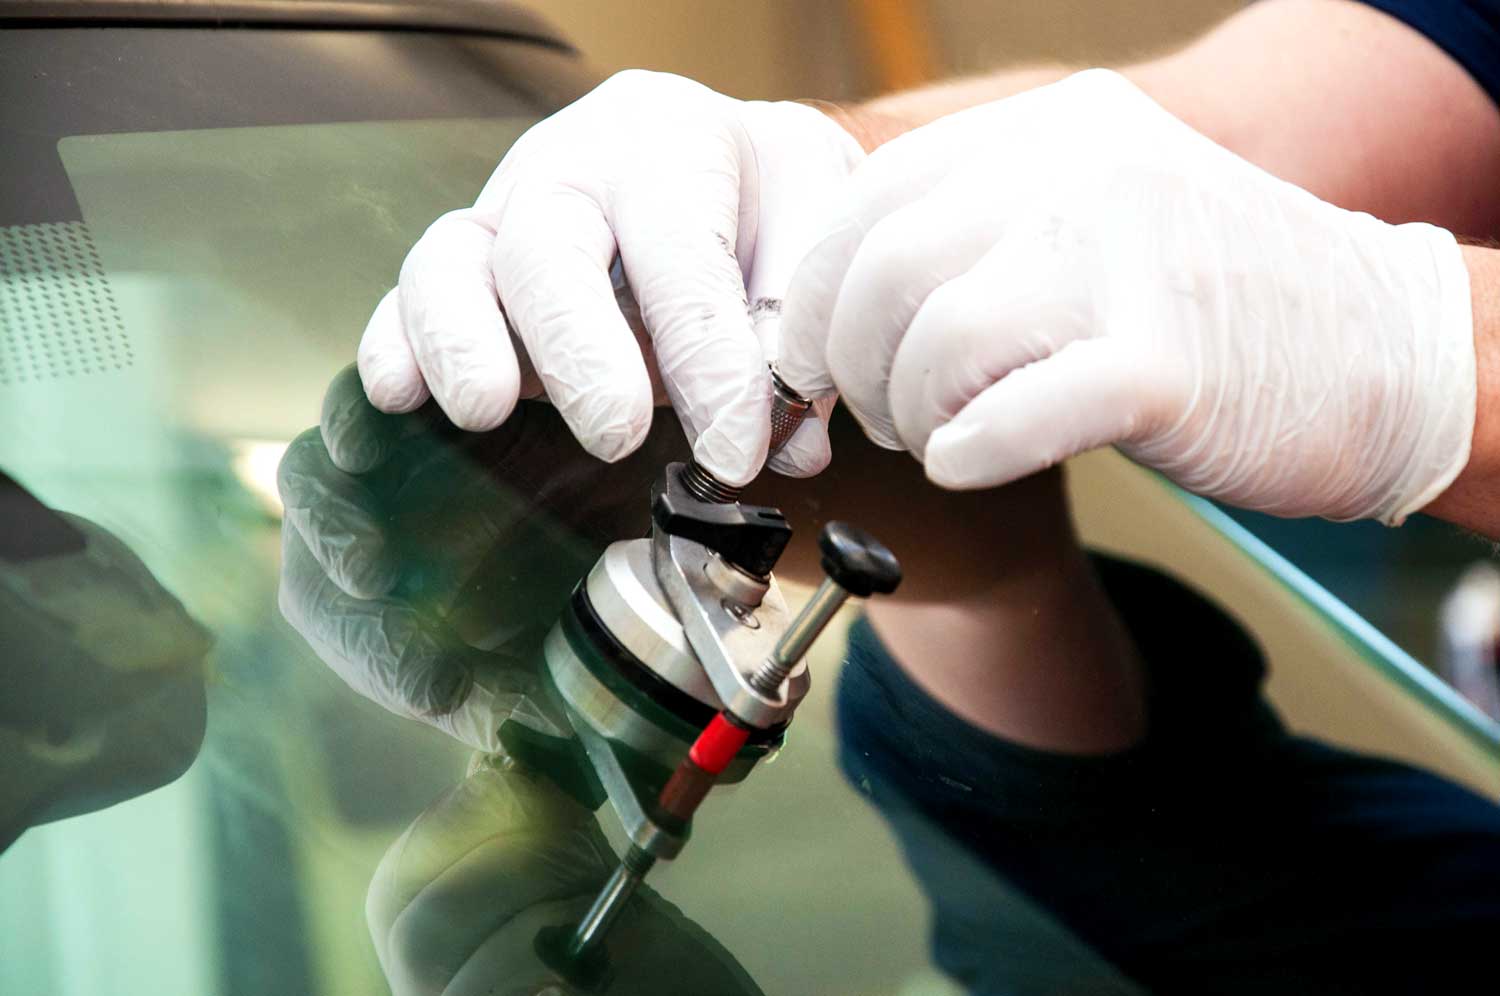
458	900
101	669
425	564
1074	267
706	199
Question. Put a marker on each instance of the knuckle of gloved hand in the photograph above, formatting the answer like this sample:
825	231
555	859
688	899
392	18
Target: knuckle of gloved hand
629	85
1110	115
390	380
1098	82
529	238
446	687
435	247
629	80
1101	94
441	687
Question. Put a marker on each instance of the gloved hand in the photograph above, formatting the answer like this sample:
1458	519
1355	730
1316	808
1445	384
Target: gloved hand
424	565
1074	267
458	899
709	203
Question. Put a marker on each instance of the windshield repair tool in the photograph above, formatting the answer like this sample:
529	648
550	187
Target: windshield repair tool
679	666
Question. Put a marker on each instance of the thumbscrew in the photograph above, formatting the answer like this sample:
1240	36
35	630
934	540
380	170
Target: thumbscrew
855	563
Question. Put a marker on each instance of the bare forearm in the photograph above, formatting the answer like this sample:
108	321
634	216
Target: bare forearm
1000	617
1331	95
1473	499
1346	102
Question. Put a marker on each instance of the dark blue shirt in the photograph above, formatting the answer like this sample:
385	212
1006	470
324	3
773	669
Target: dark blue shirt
1223	854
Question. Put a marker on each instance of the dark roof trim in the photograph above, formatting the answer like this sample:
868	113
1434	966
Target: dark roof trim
468	16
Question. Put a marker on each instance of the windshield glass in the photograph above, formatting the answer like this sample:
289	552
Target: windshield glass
177	300
361	708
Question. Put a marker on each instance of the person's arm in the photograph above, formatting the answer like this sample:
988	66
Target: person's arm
1473	499
422	564
1347	102
1335	96
1344	101
999	616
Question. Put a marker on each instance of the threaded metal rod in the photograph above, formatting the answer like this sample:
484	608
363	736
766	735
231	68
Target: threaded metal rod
706	487
799	636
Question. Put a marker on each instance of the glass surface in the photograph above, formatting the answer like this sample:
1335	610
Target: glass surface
1340	597
186	262
194	228
1395	578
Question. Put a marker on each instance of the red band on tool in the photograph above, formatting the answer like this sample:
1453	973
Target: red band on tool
717	745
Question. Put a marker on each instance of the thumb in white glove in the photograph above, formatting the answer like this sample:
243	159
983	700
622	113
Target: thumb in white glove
1075	267
709	203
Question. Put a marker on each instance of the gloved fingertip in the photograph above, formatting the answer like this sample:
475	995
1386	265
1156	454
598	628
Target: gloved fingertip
356	434
609	427
951	463
798	465
730	464
388	371
806	454
356	455
882	434
393	391
480	404
616	443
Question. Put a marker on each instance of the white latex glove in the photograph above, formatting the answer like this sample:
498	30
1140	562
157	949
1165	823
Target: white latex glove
702	196
1075	267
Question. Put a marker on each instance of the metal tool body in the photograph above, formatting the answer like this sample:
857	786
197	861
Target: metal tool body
679	665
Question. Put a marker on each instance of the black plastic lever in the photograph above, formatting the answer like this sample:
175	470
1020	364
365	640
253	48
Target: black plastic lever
752	537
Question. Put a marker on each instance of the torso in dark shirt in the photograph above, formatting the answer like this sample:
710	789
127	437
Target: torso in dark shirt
1222	854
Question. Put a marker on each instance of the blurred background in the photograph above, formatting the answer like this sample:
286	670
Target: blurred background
846	49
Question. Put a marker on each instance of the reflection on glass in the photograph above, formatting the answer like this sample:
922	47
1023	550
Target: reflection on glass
1469	638
425	565
102	669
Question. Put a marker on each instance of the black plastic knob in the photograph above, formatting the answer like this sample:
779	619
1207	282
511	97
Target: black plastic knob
858	562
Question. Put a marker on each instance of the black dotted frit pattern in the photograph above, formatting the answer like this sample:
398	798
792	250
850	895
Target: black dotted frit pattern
57	315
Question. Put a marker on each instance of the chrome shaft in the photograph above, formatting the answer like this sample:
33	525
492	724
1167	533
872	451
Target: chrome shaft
610	902
799	636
